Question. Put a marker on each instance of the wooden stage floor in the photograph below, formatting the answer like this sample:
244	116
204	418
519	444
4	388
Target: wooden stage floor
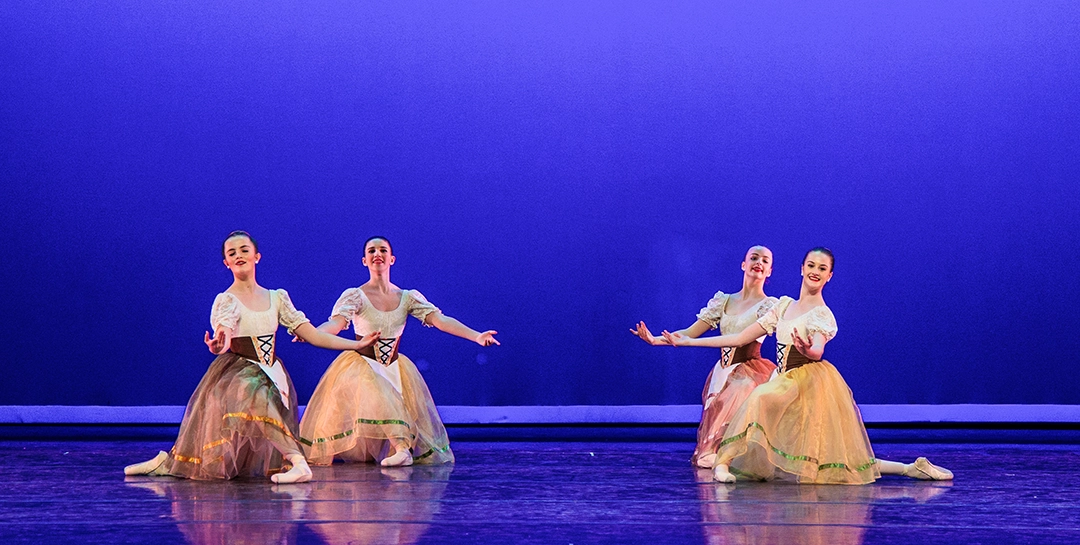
539	492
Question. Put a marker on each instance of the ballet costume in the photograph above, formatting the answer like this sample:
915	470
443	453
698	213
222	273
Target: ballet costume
242	418
803	425
734	376
371	403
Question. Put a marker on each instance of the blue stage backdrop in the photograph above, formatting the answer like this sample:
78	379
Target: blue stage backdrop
552	170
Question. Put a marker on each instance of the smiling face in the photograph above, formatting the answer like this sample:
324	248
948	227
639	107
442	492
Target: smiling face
817	269
757	265
377	255
241	255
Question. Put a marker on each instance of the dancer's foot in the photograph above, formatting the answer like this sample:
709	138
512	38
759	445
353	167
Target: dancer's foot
147	467
721	474
300	472
706	460
400	458
923	469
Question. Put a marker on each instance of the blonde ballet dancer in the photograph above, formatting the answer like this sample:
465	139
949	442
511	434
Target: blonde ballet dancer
241	420
803	424
738	371
373	405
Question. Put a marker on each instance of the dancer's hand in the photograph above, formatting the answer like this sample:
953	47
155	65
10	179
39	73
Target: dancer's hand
217	345
368	340
297	339
487	338
676	339
802	345
644	334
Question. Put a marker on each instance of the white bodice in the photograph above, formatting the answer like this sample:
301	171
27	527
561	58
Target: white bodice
354	306
229	312
262	327
819	319
714	313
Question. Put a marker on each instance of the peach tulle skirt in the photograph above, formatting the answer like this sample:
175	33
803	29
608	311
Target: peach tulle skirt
804	426
720	407
235	425
357	415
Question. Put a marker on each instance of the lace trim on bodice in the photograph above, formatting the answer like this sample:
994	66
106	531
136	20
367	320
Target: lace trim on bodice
230	313
355	307
817	320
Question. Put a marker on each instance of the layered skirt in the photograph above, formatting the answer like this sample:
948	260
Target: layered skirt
360	415
803	426
236	424
725	391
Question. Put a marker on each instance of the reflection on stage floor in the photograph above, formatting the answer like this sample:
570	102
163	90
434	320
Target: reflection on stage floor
549	492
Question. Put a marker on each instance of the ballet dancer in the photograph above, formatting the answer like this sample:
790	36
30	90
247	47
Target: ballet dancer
373	405
804	423
241	420
738	371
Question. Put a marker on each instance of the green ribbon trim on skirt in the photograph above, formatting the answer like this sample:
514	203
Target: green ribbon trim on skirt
432	451
346	433
794	458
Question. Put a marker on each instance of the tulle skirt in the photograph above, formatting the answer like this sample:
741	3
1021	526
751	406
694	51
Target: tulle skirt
804	426
235	425
357	415
720	407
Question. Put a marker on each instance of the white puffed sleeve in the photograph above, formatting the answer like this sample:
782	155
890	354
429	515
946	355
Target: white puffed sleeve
226	312
769	320
419	306
713	310
348	305
766	305
821	320
288	316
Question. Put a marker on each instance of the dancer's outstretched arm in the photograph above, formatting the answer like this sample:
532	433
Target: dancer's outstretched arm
334	325
746	336
452	326
322	339
695	330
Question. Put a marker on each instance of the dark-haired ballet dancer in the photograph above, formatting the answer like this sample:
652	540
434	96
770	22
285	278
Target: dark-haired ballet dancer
738	371
374	405
241	420
804	422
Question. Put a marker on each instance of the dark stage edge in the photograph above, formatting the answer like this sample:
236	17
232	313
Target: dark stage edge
1004	432
539	492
